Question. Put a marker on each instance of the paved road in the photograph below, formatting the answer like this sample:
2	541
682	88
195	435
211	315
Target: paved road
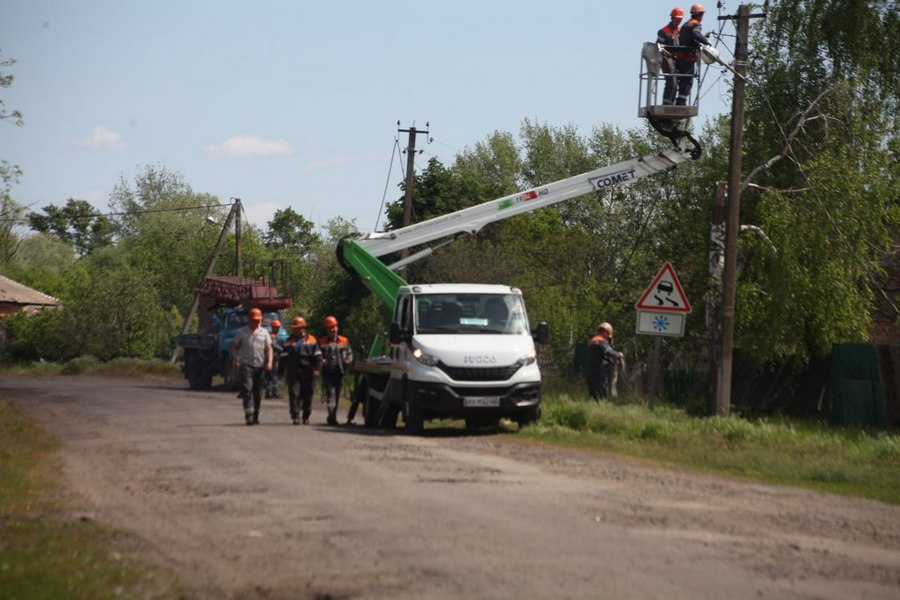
281	511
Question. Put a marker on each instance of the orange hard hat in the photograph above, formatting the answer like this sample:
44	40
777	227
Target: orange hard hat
605	327
276	323
255	314
330	321
677	13
298	322
697	9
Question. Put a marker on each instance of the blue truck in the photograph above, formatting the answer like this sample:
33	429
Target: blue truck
223	306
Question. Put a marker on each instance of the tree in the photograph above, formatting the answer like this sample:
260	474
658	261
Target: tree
822	175
6	80
289	232
77	223
163	230
10	211
11	215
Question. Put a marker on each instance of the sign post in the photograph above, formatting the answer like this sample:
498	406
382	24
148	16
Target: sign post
662	311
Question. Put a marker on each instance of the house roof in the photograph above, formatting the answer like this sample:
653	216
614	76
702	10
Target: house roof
12	292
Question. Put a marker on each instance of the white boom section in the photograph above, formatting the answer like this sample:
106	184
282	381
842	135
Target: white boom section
471	220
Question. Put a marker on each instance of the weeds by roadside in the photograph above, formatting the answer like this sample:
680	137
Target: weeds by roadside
813	455
45	553
88	365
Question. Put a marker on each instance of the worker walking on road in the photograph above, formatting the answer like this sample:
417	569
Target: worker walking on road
301	360
667	37
251	354
601	359
690	38
337	356
272	380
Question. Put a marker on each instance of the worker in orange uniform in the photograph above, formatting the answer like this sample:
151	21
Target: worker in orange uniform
601	358
667	37
301	360
337	356
690	38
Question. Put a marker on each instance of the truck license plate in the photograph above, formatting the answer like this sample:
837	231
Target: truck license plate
473	401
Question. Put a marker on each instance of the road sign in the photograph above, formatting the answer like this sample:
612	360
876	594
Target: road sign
664	294
660	323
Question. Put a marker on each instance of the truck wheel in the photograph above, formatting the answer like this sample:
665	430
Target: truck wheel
414	419
389	418
195	370
529	416
370	404
229	375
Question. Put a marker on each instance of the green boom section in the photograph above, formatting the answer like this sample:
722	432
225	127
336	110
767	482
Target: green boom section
383	282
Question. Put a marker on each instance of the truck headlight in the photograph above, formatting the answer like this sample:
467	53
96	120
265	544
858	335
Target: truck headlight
528	359
426	359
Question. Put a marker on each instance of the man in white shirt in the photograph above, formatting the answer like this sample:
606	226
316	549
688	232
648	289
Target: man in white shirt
251	352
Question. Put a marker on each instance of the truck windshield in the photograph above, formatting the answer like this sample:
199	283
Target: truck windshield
471	313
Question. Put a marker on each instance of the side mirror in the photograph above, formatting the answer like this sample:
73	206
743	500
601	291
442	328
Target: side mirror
395	335
542	334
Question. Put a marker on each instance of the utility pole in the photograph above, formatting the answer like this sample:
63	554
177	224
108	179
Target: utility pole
733	208
410	179
237	236
210	265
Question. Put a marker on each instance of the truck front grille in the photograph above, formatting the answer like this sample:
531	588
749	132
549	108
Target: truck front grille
479	373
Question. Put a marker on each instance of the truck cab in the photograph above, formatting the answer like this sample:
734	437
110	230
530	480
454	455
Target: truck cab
463	351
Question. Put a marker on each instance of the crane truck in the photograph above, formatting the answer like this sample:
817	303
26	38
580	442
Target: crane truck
468	351
223	307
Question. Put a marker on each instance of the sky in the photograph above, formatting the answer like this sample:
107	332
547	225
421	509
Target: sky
297	103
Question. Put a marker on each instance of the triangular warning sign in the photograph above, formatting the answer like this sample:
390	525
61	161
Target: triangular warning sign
664	294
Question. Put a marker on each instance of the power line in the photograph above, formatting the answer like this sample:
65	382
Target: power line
142	212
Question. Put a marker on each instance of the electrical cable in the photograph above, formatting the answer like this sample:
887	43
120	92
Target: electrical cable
387	182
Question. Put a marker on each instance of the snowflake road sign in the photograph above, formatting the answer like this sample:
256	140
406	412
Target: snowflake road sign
660	323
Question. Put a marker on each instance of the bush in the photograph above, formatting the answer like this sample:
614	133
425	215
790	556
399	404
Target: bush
80	365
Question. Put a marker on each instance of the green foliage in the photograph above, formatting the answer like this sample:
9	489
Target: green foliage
10	218
77	223
80	365
6	80
290	233
775	450
822	122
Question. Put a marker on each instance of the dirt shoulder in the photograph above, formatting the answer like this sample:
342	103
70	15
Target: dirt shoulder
279	511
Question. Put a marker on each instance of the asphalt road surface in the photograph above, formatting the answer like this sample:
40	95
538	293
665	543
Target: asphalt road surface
283	511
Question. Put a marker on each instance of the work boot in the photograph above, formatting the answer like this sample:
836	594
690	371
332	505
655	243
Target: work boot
256	418
296	420
249	419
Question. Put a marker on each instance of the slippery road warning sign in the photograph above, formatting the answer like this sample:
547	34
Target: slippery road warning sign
664	294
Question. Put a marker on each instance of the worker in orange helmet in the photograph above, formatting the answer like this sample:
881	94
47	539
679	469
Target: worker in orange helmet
601	358
251	354
667	38
301	360
690	38
337	356
272	380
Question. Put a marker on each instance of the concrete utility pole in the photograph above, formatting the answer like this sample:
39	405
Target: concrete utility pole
237	236
410	179
733	208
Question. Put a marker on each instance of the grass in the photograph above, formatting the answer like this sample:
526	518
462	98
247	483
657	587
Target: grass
812	455
88	365
45	552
